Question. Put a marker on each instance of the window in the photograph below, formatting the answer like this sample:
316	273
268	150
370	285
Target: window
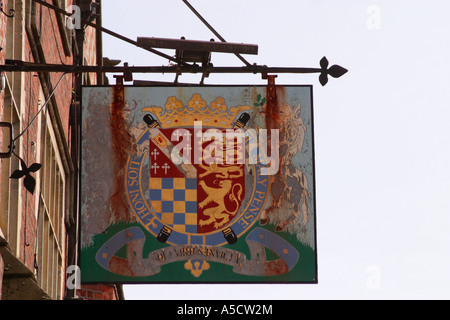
51	232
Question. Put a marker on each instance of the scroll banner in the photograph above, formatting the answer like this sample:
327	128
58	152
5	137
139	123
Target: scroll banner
138	266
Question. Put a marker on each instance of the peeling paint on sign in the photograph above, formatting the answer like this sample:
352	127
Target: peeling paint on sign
205	184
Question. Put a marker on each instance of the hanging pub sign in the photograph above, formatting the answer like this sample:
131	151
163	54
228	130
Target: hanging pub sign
198	184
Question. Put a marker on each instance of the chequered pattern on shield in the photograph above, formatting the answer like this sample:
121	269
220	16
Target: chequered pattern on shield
174	201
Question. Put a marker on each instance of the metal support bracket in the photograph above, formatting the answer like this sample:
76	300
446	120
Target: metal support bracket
11	11
127	74
271	91
334	71
119	80
11	140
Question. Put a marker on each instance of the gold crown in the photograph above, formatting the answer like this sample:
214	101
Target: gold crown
216	115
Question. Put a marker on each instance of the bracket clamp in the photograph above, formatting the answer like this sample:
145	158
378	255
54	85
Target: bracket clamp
11	142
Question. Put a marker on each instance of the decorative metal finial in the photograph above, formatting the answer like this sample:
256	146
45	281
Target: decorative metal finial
335	71
29	182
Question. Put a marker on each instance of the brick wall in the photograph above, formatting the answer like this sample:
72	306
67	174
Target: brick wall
52	47
97	292
54	54
29	148
90	53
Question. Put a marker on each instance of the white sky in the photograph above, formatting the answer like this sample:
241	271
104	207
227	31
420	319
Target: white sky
381	133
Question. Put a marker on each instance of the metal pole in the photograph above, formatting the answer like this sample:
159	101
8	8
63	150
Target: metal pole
213	30
19	66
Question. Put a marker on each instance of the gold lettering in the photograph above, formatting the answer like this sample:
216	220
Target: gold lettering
134	198
135	163
260	194
211	252
151	222
238	257
133	183
140	206
243	222
145	215
161	256
133	174
257	201
263	181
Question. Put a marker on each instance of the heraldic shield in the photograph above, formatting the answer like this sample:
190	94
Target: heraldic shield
209	185
193	197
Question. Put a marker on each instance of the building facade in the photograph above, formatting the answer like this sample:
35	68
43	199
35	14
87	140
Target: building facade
39	207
